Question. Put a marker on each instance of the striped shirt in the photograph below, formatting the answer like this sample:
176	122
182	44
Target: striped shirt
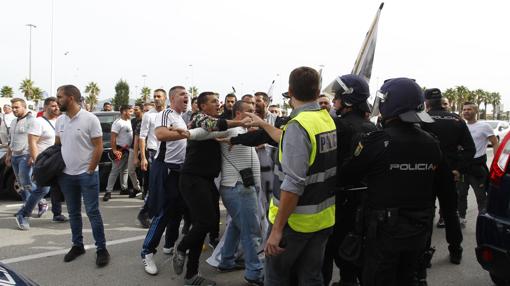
239	156
172	152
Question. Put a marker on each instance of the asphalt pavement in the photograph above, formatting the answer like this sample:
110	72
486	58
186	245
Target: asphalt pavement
38	252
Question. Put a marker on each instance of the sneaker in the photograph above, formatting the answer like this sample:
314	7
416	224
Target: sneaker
178	263
254	282
149	264
440	223
168	250
463	222
41	209
236	267
198	280
455	254
124	192
143	219
22	222
73	253
107	196
103	257
133	193
59	218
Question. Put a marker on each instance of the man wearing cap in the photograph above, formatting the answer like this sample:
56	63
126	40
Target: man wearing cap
351	94
400	163
458	148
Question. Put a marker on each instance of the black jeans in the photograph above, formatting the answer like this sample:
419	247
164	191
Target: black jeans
393	249
201	197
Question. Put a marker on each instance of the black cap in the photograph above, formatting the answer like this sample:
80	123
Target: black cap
432	93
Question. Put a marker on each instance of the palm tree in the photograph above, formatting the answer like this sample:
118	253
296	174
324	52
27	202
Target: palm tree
451	96
495	102
480	97
193	91
462	95
93	90
37	95
27	87
145	94
6	91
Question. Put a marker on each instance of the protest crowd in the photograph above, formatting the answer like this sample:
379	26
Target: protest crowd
322	187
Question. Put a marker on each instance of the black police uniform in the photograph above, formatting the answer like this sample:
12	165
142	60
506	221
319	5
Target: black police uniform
458	148
401	164
350	127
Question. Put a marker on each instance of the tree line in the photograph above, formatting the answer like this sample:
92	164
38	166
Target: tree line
456	95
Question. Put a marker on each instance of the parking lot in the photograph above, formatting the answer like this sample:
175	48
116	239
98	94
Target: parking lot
39	252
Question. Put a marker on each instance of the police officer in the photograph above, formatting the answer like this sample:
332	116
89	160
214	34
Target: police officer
351	94
458	148
400	163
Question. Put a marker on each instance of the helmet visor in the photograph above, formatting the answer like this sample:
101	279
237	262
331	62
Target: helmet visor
380	97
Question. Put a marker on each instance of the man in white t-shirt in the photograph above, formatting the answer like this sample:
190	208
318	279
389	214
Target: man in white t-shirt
477	175
5	124
121	140
41	135
79	132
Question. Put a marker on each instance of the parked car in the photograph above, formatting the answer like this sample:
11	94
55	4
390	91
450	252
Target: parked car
500	127
10	277
493	227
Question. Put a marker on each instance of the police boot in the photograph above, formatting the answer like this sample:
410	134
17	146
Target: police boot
420	278
427	257
455	254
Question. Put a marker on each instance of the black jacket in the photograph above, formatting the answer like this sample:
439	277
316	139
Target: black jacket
48	166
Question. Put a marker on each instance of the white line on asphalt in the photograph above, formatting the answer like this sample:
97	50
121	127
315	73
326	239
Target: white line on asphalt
14	205
64	251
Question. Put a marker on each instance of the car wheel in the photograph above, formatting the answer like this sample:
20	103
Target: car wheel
499	281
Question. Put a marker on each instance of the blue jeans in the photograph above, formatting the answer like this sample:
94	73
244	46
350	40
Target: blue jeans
23	173
86	186
35	196
241	203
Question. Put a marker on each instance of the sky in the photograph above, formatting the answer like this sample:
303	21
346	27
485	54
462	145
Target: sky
220	44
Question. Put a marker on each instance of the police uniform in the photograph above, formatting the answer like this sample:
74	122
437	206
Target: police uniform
458	147
309	130
401	164
351	124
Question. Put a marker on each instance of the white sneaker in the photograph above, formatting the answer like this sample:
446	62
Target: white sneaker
149	264
169	251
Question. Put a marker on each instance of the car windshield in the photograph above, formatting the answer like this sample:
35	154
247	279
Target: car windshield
106	120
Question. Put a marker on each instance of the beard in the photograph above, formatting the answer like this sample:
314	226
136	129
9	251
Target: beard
63	108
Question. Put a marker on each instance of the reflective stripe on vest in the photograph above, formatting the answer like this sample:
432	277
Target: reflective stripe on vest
309	209
316	207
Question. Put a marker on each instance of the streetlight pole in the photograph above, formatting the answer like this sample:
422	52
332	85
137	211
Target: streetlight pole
30	26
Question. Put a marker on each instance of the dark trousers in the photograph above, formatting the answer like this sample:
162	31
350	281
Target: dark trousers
150	157
303	256
347	203
201	197
170	214
479	187
56	200
393	248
